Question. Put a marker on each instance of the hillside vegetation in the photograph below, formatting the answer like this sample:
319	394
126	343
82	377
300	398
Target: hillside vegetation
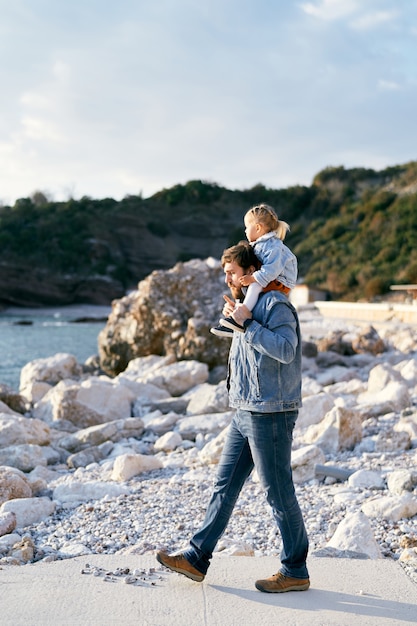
354	232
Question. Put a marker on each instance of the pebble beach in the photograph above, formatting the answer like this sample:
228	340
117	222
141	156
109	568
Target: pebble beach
164	506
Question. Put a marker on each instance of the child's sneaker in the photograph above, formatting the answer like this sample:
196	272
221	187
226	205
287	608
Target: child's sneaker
222	331
229	322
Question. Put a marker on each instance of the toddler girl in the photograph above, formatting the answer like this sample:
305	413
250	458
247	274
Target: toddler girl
265	232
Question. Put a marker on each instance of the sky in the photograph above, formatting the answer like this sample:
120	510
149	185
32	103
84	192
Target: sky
126	97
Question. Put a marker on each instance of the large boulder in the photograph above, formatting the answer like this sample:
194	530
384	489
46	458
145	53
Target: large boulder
15	430
170	314
93	401
50	370
355	534
96	435
13	484
341	429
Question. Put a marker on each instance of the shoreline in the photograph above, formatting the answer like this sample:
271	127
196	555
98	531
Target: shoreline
90	310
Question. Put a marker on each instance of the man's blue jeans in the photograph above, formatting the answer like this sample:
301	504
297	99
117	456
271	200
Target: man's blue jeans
262	440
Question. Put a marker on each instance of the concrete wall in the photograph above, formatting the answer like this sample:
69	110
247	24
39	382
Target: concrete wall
362	311
302	294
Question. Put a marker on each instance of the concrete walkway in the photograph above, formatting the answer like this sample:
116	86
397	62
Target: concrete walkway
343	591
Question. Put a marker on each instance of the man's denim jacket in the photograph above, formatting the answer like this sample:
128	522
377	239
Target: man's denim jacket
265	361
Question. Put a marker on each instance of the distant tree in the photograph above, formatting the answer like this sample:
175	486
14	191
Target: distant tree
377	286
40	198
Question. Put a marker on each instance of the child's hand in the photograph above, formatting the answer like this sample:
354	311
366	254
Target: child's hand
246	280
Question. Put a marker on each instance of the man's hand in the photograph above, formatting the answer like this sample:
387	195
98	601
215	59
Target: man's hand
229	307
241	313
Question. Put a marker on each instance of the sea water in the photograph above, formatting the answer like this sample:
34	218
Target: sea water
29	334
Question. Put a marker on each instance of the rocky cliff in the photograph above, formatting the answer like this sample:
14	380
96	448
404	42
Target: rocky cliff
170	313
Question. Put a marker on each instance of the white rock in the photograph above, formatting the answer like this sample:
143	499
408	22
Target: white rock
355	533
391	508
96	435
24	456
392	441
189	427
8	541
74	549
94	401
403	340
41	472
409	556
310	387
393	397
314	409
408	371
168	442
366	479
13	484
29	510
400	481
352	387
35	391
380	376
143	365
77	491
206	398
407	424
335	374
111	400
7	522
145	394
128	465
15	430
159	423
178	377
50	370
234	548
210	454
348	497
341	429
303	462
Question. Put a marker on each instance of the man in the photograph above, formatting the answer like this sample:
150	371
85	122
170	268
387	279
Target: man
264	384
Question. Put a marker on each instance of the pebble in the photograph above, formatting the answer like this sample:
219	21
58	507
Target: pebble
144	578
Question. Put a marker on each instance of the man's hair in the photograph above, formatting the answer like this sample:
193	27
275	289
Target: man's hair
242	253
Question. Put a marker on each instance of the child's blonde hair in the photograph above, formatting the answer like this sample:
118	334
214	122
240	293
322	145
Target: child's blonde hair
265	215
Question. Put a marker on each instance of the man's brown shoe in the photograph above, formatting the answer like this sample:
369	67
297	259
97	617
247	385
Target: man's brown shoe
279	583
178	563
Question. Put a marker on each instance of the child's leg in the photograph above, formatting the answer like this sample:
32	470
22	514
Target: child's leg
252	295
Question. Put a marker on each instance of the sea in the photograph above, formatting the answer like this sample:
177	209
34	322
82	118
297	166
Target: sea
29	334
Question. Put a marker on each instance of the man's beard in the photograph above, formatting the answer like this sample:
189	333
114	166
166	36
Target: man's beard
236	292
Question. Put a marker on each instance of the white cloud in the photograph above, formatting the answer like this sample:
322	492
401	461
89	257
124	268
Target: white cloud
369	21
359	16
330	9
388	85
40	130
118	99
